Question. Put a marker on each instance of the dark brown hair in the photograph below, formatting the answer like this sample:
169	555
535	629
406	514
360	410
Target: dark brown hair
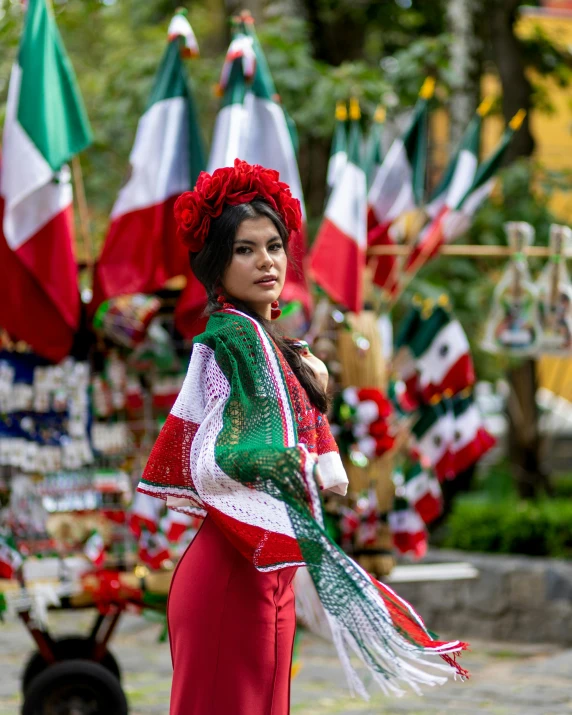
210	263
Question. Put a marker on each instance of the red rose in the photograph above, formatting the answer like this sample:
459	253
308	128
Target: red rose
234	185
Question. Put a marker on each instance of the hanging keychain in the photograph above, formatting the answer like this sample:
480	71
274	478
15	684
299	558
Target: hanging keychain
555	295
514	325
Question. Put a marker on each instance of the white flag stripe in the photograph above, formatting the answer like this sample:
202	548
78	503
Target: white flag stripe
31	199
391	192
462	178
476	198
226	143
448	346
336	166
467	426
435	443
347	208
257	133
159	158
405	521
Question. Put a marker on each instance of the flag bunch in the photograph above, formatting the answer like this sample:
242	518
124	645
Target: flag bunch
46	127
398	207
448	435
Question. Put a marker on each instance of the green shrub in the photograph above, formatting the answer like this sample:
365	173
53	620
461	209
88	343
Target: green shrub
542	528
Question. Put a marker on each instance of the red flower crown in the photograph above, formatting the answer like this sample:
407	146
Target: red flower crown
231	186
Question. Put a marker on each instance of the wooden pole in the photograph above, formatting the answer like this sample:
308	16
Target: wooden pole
468	251
83	212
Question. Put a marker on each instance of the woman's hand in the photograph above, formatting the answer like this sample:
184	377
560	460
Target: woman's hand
318	367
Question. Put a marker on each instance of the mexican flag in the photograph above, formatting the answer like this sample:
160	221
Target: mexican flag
398	188
10	559
454	221
373	154
45	126
337	259
174	525
94	548
462	167
433	435
407	529
442	355
153	549
339	150
399	183
145	513
141	251
253	126
471	438
423	492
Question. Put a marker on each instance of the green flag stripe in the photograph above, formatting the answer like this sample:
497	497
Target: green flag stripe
340	141
354	143
170	80
263	85
50	108
236	88
427	330
415	142
490	166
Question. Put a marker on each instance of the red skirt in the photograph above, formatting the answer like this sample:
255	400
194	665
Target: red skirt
231	630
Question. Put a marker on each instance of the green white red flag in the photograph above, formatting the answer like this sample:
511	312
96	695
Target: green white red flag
472	440
337	259
452	222
407	529
141	251
45	126
10	558
433	436
373	152
398	186
442	355
460	172
423	492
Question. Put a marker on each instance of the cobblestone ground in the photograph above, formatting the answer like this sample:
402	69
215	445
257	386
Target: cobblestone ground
506	678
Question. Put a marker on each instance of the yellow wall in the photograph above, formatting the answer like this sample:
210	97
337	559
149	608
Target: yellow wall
552	132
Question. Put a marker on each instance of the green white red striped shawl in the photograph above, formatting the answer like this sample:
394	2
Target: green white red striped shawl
230	448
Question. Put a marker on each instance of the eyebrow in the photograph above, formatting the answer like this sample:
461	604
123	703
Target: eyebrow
253	243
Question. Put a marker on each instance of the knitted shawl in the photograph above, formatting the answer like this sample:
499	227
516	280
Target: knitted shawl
231	448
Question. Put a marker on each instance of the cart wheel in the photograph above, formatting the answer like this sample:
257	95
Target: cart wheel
80	687
70	648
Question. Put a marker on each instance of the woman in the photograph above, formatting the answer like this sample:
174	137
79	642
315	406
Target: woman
248	445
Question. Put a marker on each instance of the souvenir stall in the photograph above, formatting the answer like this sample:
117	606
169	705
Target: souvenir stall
74	438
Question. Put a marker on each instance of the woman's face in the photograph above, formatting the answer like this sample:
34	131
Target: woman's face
257	270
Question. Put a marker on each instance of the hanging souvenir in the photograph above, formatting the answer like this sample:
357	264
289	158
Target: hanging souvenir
514	324
125	319
555	295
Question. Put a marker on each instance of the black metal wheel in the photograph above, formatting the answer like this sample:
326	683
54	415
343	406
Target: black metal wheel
75	687
68	648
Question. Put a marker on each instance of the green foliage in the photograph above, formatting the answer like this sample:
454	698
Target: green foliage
541	528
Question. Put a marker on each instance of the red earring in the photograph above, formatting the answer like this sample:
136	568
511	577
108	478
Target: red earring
222	300
275	311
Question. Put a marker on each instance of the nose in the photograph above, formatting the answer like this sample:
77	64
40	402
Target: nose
265	260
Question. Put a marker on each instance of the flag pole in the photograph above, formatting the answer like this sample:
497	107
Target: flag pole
79	192
426	93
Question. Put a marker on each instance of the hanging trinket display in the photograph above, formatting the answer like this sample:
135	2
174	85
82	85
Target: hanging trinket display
514	325
555	295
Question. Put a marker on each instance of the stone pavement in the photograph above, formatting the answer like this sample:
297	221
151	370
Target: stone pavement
507	678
